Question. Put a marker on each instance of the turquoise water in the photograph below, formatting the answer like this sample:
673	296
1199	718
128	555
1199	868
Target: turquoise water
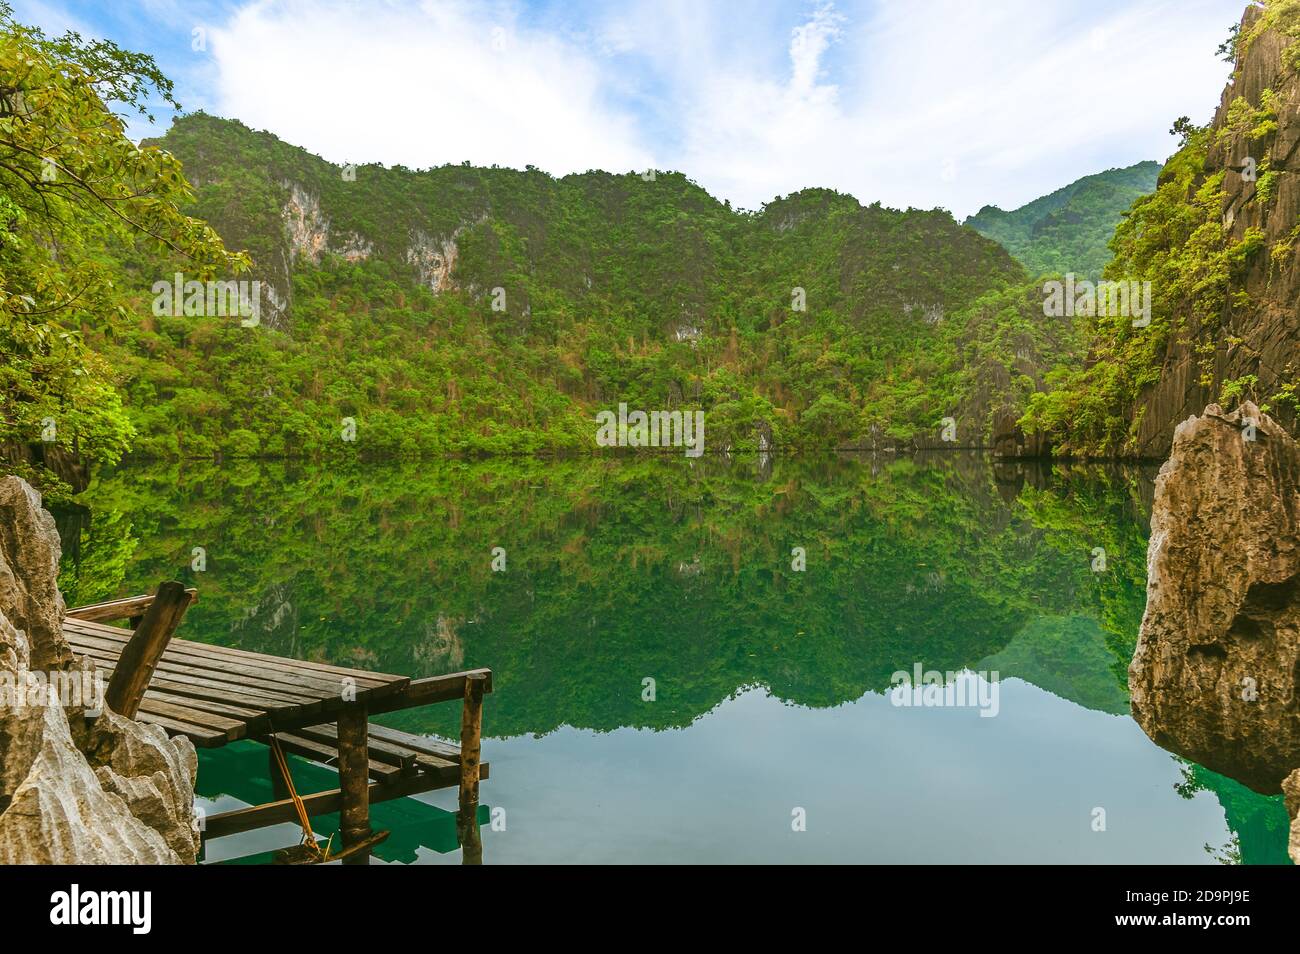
693	661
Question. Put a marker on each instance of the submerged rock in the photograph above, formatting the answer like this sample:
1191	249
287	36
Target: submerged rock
1214	677
72	790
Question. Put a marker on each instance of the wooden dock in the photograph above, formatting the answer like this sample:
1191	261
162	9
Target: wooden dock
214	695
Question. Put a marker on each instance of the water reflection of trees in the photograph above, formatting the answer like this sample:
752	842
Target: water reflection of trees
622	569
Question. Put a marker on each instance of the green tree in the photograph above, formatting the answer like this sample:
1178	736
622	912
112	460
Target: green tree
71	184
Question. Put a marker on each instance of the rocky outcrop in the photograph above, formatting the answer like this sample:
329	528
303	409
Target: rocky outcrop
1291	789
1011	440
79	784
308	232
30	603
1261	192
1216	673
434	259
64	463
306	227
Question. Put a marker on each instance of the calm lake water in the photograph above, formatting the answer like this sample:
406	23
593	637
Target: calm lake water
669	686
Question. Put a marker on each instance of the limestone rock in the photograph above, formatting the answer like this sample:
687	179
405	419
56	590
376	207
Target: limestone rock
1291	788
29	567
73	790
62	814
1214	677
152	773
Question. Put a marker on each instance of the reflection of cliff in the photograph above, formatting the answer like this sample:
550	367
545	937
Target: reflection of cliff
271	623
1068	657
929	560
441	649
1259	824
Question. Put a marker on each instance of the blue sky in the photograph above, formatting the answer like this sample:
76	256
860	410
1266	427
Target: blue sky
927	103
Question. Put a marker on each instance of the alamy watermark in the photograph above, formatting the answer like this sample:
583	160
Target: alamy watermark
77	688
129	908
655	429
930	688
210	299
1125	299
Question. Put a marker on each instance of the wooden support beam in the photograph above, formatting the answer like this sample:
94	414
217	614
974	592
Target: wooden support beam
140	656
354	781
431	689
322	803
471	730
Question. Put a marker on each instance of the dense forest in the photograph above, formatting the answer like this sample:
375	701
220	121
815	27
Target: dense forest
495	310
465	310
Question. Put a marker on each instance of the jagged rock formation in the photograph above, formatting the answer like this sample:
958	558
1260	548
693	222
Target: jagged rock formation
1264	338
434	259
308	232
31	606
73	791
1216	673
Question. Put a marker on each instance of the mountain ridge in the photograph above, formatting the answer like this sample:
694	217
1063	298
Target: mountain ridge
515	305
1068	230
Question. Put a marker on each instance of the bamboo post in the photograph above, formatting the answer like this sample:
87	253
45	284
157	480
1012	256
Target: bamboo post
354	780
471	728
140	656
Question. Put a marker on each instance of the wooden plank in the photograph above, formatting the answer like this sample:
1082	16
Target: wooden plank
285	676
304	855
141	655
328	734
416	743
245	715
192	686
120	609
200	689
431	689
283	684
329	755
421	692
231	728
213	678
203	737
323	803
288	679
190	648
92	628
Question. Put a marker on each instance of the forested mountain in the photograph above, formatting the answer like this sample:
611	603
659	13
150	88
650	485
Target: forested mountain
486	309
1219	243
1070	229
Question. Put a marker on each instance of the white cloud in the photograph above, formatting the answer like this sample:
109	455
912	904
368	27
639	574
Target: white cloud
957	104
807	44
925	103
444	83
